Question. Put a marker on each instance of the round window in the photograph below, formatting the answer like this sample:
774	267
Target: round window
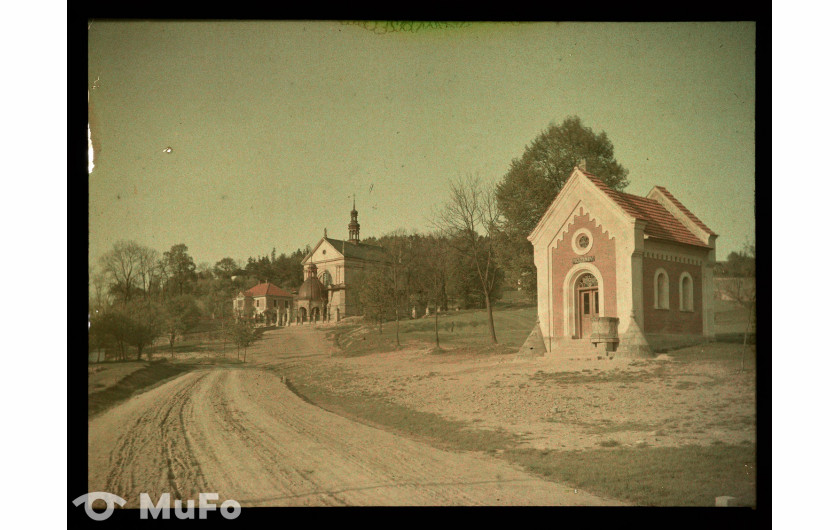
583	241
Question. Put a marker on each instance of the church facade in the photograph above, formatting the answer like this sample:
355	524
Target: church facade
647	261
331	271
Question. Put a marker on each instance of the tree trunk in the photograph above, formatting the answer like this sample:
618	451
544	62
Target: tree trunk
244	354
437	337
398	327
746	332
490	318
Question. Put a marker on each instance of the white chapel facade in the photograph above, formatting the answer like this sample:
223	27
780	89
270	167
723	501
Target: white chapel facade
331	271
600	252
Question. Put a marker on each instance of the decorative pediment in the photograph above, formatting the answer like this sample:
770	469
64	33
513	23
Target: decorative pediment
578	197
323	251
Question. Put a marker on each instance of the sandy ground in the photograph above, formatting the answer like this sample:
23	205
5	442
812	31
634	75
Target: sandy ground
241	433
549	403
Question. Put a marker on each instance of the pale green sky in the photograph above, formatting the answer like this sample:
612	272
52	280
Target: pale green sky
274	125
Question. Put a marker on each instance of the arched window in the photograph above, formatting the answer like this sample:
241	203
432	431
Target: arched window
660	289
326	279
686	292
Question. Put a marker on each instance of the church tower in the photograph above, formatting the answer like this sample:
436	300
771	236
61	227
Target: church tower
354	223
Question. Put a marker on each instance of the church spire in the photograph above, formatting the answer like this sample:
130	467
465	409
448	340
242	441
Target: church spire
354	226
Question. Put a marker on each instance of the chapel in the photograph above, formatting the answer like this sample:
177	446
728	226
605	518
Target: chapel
646	261
331	271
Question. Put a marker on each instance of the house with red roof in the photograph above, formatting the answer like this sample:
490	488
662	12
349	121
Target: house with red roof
265	302
644	263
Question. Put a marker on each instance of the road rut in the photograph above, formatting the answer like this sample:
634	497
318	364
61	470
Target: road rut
241	433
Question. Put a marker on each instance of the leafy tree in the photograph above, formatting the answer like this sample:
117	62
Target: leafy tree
99	335
741	286
742	264
143	325
372	291
179	268
204	271
535	179
180	315
113	329
242	333
225	268
471	208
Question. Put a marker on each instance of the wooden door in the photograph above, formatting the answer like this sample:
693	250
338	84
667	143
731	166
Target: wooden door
587	307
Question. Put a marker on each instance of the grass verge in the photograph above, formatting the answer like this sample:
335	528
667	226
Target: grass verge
143	379
376	411
659	476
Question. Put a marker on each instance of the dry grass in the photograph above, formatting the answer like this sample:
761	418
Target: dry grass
664	476
459	331
137	381
377	410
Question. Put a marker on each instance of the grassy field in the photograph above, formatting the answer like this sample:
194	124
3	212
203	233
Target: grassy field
138	380
460	330
661	476
467	330
377	410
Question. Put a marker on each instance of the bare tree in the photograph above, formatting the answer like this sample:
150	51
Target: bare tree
435	277
470	219
398	248
121	266
147	268
740	286
98	292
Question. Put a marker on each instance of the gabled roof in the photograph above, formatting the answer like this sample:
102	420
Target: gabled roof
661	224
267	289
684	210
347	249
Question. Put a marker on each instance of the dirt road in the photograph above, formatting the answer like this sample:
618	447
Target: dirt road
242	434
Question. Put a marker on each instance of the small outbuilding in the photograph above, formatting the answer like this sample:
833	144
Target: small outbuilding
647	261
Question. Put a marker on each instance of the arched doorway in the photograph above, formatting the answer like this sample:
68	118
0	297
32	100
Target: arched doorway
587	304
316	313
302	314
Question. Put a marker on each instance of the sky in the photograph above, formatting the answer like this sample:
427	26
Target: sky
238	137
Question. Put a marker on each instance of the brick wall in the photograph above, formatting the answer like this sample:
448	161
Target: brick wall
602	248
672	320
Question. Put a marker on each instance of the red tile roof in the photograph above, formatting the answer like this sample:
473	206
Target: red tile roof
685	210
266	289
661	224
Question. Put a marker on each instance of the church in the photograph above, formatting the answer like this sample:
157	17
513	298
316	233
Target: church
331	270
645	262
